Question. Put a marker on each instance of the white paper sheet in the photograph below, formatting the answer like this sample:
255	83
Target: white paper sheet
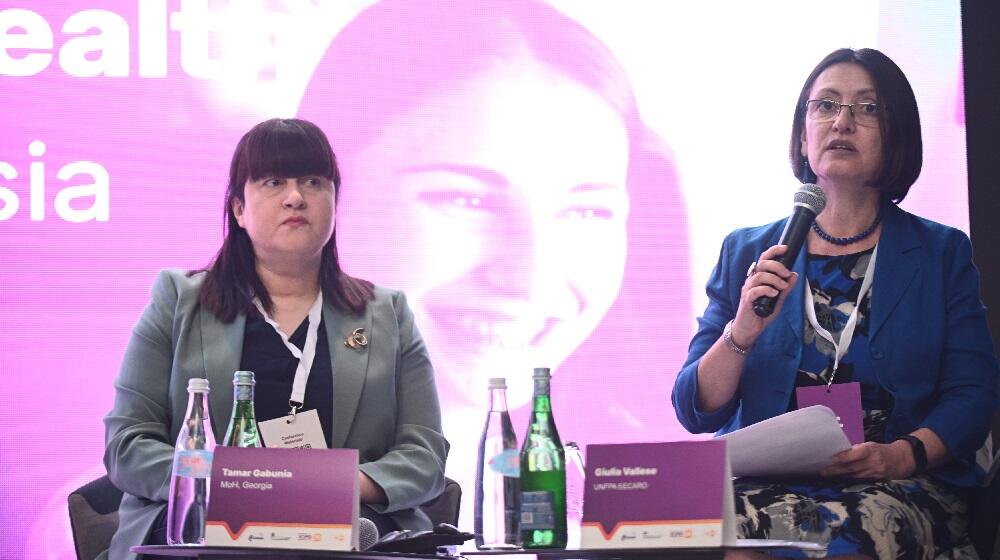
774	544
796	443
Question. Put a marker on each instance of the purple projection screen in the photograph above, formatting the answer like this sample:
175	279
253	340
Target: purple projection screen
549	184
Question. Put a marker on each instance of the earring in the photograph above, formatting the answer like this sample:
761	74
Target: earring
807	174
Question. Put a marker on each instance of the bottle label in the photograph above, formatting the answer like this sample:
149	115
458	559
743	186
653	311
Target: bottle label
538	510
193	463
507	463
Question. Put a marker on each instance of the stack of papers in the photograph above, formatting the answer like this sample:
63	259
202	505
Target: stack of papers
800	442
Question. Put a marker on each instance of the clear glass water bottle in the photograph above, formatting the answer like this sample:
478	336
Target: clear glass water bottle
543	474
575	482
242	430
498	488
191	477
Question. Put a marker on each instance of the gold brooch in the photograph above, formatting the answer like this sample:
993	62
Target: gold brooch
356	339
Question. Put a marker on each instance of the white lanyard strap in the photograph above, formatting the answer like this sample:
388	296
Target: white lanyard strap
844	342
305	356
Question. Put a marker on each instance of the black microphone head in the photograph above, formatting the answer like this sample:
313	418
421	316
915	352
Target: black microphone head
367	533
812	197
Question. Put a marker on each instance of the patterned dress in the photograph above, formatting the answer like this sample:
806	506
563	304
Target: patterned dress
915	518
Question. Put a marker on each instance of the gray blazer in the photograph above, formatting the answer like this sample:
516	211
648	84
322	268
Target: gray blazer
385	402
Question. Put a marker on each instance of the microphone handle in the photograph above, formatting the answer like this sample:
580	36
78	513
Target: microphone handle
794	235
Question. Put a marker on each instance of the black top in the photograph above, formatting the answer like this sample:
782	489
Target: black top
274	370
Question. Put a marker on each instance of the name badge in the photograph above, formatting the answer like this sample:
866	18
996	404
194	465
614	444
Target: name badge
844	399
302	431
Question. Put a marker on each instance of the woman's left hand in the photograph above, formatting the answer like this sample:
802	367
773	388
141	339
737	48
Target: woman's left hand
883	461
370	491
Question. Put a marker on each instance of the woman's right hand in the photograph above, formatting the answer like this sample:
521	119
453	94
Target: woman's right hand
768	278
719	370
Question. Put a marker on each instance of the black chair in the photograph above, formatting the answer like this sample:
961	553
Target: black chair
445	508
93	516
985	514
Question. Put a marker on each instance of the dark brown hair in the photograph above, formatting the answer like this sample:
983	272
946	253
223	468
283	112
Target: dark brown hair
899	121
275	148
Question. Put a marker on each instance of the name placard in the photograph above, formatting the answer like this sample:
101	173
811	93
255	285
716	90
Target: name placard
658	495
284	498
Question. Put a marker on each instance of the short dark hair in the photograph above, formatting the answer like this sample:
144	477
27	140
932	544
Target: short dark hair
902	146
275	148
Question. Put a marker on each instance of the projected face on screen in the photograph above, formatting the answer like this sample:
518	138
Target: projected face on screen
490	181
507	201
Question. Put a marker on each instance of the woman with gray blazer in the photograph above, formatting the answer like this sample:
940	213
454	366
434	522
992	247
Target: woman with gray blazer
371	381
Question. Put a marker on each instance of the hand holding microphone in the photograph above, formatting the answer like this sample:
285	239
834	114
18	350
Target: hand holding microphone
767	278
770	280
808	203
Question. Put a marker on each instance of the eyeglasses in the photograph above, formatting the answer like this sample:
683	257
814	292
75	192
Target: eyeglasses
823	110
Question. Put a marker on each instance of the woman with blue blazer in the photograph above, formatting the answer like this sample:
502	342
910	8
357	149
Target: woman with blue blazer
879	302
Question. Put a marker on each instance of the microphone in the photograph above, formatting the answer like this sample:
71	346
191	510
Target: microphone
809	202
367	533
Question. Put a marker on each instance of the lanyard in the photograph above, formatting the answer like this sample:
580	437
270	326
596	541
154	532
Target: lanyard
841	345
305	356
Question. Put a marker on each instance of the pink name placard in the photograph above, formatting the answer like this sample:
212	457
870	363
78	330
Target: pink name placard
658	495
284	498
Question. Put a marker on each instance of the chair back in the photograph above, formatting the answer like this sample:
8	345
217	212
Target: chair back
984	509
445	508
93	516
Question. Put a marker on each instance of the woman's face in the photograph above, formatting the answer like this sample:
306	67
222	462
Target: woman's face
500	207
287	217
843	150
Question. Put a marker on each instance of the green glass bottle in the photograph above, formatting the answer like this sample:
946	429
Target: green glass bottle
242	431
543	474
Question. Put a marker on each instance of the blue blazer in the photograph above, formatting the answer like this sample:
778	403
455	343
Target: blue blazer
928	338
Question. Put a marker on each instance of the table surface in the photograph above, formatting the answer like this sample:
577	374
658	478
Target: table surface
260	553
608	553
230	553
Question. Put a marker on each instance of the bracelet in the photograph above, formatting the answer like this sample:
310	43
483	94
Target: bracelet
919	451
727	337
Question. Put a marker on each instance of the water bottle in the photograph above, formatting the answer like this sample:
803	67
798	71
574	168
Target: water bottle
242	430
498	491
543	474
191	477
575	482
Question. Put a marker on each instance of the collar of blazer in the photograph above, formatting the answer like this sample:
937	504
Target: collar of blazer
222	347
897	266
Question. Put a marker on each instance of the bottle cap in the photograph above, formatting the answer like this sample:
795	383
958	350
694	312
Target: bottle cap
243	378
498	383
197	385
542	373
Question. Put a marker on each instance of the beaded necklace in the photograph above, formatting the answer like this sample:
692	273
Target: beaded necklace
848	240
